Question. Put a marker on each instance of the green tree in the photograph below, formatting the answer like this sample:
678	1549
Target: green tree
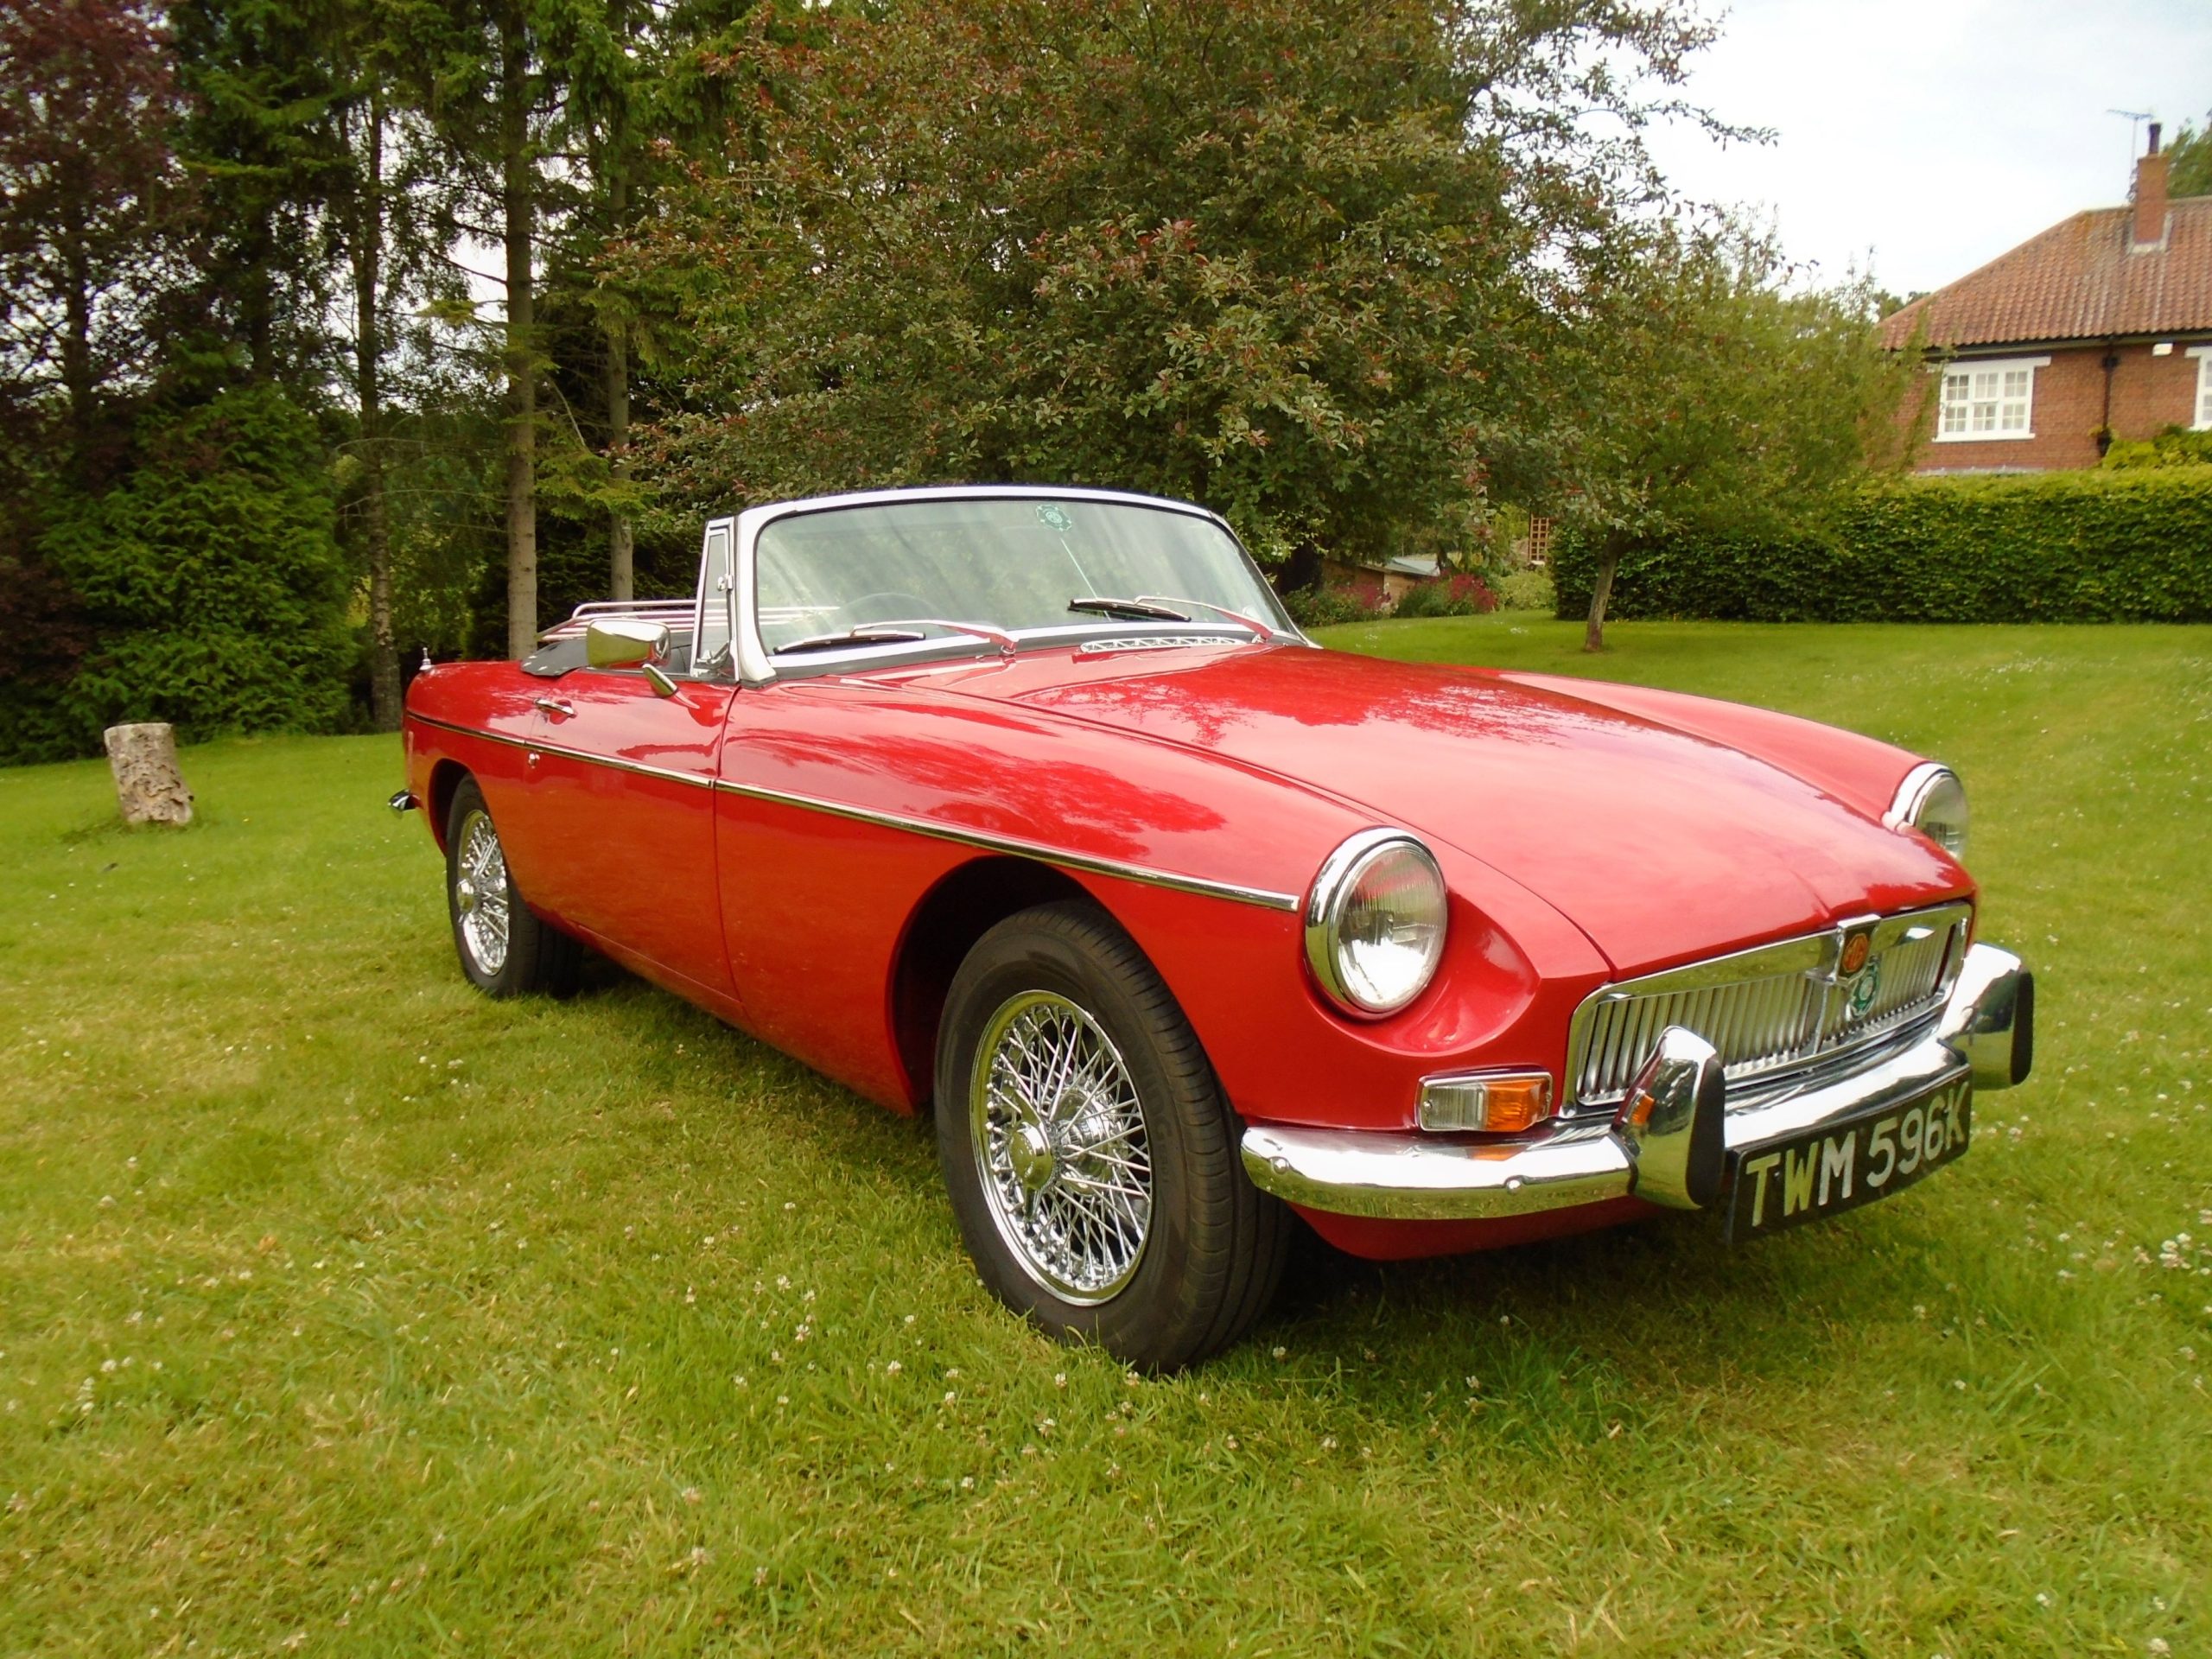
263	86
1720	400
213	573
2190	172
482	75
389	218
1302	261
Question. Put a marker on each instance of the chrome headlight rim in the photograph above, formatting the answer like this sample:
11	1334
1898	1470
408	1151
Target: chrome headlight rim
1333	884
1914	797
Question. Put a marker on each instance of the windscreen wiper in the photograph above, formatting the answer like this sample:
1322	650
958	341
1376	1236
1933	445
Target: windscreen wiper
866	635
1262	629
1142	610
900	634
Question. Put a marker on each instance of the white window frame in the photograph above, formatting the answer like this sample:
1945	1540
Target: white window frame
2000	366
2202	413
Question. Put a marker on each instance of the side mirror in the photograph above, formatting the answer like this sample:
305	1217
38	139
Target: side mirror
631	642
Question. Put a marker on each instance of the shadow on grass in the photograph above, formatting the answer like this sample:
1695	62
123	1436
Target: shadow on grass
1571	1341
109	826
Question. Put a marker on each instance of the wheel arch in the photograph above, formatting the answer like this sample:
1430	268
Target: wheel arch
965	904
445	778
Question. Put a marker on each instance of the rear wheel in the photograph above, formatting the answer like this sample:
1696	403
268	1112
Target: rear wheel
1091	1159
504	949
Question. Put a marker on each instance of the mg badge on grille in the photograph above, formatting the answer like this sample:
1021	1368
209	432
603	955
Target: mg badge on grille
1857	945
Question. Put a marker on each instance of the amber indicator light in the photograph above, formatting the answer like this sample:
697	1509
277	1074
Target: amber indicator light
1497	1105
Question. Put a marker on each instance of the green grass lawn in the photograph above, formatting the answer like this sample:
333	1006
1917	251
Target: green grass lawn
343	1310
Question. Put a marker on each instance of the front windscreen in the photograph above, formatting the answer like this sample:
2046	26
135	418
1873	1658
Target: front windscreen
1014	563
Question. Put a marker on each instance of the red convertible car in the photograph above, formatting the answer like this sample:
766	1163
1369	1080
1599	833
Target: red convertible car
1031	807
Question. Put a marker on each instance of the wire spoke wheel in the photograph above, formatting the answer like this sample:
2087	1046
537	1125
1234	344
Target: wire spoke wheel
1058	1135
1089	1153
481	896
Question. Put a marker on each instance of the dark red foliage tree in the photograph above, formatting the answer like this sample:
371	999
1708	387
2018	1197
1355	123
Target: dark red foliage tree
88	188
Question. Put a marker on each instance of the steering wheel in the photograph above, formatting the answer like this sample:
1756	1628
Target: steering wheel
890	605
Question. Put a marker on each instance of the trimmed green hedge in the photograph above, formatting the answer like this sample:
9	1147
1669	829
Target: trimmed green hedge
2174	447
2127	546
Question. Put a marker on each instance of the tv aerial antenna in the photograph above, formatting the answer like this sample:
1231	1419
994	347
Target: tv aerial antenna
2135	119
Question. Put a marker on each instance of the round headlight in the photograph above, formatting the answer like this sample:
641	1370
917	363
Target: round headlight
1932	801
1375	922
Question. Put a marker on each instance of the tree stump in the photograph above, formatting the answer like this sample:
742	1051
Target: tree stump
148	786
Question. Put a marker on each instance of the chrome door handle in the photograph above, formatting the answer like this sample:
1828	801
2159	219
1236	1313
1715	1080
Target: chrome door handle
554	706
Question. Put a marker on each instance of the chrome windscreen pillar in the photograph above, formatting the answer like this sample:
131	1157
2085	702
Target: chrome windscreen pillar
1674	1122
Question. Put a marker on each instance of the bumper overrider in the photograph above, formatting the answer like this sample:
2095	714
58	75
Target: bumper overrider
1674	1141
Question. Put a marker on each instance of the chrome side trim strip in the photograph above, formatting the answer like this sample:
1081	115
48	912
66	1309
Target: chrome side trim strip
1059	858
1043	854
692	780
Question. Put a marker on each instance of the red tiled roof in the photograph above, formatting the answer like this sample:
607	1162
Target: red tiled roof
2078	280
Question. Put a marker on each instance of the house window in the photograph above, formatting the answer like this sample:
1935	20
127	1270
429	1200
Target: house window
2202	421
1988	398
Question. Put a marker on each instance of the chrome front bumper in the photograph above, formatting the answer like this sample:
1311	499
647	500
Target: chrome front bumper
1666	1143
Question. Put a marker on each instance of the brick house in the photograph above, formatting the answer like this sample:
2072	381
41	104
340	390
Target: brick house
2099	328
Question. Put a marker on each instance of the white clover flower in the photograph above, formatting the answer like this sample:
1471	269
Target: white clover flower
893	1369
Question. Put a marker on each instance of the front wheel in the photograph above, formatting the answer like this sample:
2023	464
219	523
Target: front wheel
1092	1162
504	949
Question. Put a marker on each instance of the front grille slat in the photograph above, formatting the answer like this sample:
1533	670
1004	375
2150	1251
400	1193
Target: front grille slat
1778	1015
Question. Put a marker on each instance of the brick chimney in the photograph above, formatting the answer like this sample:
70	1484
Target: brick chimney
2151	195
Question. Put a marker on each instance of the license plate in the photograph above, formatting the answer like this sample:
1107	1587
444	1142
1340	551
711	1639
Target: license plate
1840	1166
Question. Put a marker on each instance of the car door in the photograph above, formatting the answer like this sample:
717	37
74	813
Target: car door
624	781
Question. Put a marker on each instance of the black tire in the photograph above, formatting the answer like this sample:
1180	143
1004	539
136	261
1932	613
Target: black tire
1211	1250
535	956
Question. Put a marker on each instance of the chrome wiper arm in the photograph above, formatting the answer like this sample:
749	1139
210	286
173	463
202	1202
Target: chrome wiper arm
906	632
860	636
1143	610
1264	629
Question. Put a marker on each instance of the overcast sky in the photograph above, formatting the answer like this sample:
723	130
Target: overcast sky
1930	135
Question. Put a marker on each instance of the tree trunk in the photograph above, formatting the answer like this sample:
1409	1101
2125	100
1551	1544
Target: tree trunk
521	192
621	540
148	788
368	358
1609	561
78	379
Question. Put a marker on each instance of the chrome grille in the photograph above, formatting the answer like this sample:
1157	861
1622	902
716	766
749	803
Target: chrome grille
1774	1010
